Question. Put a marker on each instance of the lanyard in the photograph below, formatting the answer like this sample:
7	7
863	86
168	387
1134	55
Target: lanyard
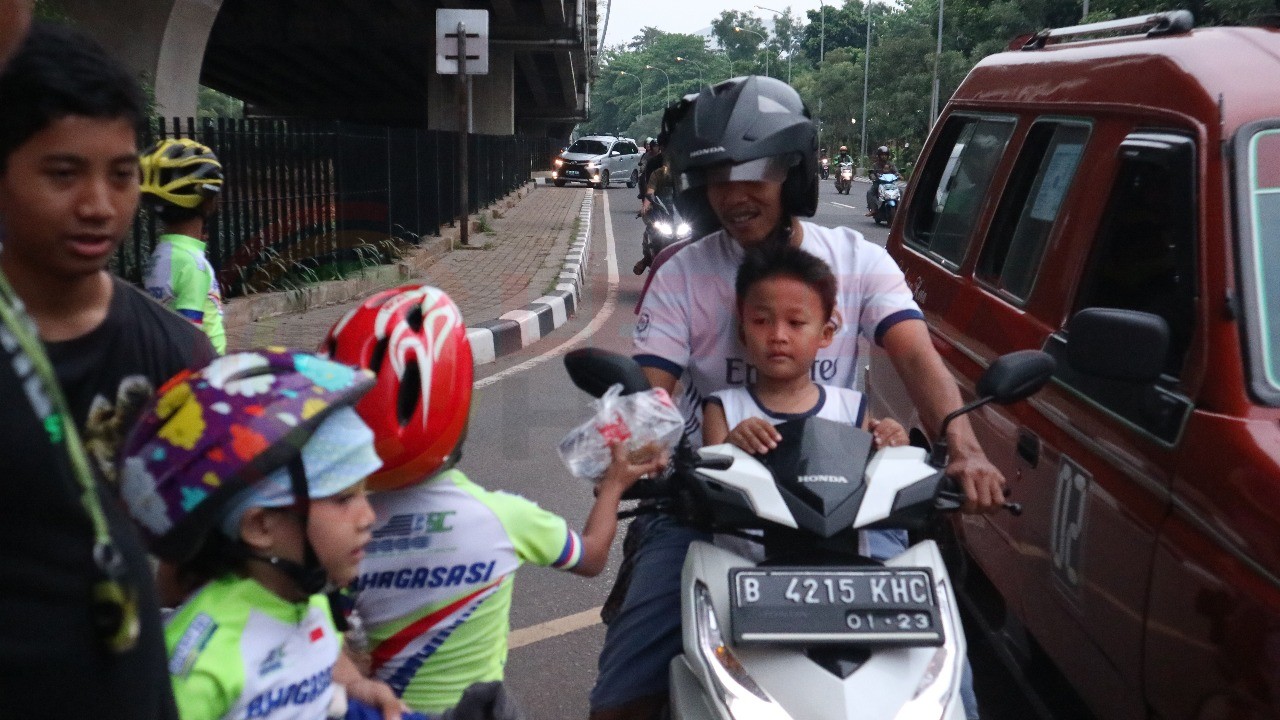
114	603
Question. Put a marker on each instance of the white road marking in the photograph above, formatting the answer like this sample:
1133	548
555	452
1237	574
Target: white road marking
606	310
833	202
586	618
553	628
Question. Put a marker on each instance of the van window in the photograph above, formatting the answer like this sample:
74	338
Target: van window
1144	258
1029	207
1260	262
954	185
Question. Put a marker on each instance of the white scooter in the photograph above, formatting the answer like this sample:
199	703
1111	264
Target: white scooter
811	630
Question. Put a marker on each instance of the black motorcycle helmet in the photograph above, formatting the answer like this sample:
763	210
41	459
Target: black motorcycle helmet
744	128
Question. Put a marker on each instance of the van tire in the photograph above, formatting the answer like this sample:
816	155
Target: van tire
559	182
604	180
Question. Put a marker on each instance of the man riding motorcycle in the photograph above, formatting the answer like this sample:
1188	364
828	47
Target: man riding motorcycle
758	186
843	156
879	165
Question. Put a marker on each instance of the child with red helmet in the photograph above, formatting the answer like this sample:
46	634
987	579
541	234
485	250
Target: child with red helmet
248	477
434	589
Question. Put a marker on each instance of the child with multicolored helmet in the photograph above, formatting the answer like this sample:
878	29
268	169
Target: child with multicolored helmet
248	477
434	589
181	184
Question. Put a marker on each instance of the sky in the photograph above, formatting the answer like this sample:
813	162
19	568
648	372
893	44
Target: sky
627	17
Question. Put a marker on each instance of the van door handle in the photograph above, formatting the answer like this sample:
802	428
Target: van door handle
1029	447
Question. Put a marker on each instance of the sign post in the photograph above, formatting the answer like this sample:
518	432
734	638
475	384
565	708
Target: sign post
462	48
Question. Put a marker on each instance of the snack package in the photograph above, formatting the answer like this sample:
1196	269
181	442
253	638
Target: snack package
635	419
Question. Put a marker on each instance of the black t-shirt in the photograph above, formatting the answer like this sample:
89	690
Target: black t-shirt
51	663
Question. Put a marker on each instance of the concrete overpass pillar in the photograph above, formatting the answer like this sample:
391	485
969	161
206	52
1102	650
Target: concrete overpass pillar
492	97
161	40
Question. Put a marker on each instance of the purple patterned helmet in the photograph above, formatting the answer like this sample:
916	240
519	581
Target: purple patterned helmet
208	435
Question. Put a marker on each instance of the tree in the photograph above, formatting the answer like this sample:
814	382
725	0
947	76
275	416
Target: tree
741	46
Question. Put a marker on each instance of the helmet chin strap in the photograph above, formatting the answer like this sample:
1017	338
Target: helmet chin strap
309	575
781	235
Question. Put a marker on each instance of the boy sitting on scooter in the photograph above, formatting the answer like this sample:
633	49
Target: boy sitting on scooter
786	300
434	590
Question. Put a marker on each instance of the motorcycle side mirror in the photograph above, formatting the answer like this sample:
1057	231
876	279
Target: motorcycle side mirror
1016	376
595	370
1011	377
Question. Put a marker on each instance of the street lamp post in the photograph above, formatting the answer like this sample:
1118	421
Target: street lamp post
791	41
866	77
763	39
822	55
696	65
637	77
937	56
664	74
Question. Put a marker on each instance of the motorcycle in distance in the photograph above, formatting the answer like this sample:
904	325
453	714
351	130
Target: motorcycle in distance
825	168
663	225
887	195
808	629
844	177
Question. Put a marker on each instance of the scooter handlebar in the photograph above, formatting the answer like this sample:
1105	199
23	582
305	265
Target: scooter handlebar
951	498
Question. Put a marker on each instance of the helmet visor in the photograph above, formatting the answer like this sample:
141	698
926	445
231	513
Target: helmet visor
767	169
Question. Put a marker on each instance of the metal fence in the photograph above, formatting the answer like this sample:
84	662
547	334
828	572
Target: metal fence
307	200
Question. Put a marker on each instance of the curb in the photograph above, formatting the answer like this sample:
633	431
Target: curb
520	328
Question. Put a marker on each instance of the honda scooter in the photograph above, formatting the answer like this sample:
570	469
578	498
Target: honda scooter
663	226
844	178
808	629
887	194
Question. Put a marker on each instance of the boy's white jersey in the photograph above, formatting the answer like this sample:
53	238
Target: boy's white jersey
686	324
837	404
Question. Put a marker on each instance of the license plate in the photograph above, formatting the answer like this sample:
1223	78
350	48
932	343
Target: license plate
873	606
572	172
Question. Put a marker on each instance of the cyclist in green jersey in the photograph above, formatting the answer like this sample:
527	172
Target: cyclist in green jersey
434	589
181	182
248	477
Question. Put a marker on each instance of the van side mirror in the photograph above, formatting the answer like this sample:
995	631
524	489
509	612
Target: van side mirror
1117	344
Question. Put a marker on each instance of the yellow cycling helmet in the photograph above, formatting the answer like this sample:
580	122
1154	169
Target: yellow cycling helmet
180	172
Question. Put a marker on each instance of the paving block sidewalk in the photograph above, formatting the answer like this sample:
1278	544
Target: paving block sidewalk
517	262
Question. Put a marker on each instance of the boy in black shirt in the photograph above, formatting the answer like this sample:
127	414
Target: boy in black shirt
81	631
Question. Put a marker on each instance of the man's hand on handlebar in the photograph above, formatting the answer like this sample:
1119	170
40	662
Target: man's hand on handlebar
983	485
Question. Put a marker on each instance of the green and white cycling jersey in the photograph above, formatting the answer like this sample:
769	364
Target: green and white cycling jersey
434	590
239	651
181	278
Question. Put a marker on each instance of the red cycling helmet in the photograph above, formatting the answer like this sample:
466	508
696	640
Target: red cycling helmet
413	338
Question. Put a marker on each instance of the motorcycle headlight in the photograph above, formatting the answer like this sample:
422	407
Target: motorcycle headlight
735	688
934	693
683	230
663	227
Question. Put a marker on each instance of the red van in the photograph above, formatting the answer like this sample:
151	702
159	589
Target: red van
1110	193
